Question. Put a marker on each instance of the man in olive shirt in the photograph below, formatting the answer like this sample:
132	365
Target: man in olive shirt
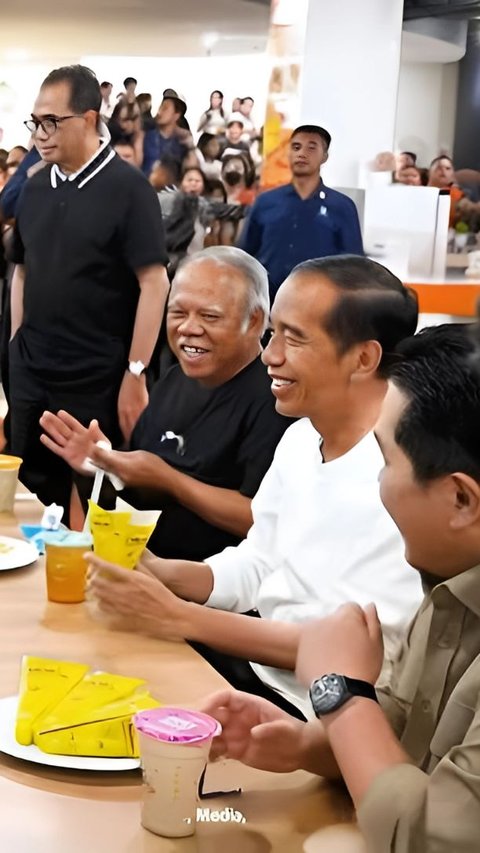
410	756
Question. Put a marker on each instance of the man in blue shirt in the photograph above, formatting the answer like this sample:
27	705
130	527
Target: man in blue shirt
304	219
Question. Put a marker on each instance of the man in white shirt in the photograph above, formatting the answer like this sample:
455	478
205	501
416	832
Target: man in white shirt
320	535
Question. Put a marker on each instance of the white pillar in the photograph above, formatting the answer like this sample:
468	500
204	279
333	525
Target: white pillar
350	80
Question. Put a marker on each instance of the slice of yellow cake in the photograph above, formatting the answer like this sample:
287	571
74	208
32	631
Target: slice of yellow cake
43	683
104	731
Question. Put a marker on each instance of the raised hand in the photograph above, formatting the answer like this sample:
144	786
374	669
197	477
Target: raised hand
65	436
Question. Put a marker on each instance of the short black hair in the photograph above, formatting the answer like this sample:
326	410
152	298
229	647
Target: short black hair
410	154
441	157
248	98
129	80
105	83
373	304
314	128
439	430
204	139
85	91
215	184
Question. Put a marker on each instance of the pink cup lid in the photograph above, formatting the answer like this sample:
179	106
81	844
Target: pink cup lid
176	725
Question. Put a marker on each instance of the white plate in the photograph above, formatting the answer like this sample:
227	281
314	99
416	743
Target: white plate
8	744
15	553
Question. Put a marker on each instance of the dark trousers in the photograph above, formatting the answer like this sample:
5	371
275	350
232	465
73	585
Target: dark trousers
31	393
241	676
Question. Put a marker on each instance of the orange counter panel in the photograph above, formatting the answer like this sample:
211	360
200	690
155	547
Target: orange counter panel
457	299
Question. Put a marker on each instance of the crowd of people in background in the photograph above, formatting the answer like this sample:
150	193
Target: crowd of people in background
463	185
212	169
207	175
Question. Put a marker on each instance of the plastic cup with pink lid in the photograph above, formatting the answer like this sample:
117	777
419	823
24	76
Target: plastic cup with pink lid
174	746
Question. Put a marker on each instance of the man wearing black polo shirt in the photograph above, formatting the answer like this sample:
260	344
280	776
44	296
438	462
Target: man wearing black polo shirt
304	219
90	285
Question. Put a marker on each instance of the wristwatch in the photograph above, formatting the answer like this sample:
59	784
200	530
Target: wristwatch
330	692
136	367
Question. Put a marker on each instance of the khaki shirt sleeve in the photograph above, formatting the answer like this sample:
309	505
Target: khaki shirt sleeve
407	811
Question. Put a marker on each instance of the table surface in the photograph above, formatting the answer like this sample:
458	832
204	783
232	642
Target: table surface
51	810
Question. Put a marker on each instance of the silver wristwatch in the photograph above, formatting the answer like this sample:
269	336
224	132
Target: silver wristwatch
330	692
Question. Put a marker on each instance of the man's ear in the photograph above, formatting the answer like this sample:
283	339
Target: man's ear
325	156
256	320
91	117
466	497
366	358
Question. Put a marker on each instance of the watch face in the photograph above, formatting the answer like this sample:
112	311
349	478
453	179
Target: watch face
328	693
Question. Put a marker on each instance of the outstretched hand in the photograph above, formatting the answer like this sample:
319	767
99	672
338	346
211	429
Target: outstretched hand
65	436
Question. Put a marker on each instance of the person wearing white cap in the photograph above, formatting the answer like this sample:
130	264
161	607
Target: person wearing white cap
233	135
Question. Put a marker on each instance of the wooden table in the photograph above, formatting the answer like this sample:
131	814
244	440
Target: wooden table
50	810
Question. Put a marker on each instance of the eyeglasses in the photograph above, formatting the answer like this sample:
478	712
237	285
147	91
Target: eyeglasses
49	125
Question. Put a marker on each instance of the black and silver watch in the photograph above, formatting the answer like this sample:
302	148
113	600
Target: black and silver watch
330	692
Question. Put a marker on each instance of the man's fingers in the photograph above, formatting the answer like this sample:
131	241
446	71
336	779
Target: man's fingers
69	421
55	445
373	623
224	699
127	422
55	428
97	565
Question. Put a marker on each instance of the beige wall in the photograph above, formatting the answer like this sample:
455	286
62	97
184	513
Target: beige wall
426	108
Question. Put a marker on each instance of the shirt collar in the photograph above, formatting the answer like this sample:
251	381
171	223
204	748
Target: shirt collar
464	587
319	188
95	164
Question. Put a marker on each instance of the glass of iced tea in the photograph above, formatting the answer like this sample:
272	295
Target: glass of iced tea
66	568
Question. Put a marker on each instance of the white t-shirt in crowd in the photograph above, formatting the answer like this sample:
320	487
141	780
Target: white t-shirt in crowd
320	537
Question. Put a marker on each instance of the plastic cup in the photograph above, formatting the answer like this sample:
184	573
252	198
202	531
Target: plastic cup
9	466
66	569
174	746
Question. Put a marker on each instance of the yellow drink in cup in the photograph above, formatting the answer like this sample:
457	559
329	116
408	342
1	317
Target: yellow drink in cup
9	467
66	568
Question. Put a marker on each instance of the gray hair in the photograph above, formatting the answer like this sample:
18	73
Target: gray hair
253	272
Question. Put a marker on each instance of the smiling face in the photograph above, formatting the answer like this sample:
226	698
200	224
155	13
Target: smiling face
307	153
423	512
234	131
308	375
206	318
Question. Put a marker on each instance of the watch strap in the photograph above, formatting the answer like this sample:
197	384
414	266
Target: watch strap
357	687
